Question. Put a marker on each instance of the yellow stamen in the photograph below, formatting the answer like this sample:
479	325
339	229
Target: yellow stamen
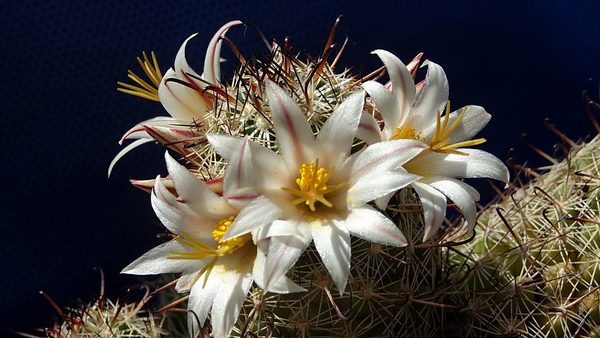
144	89
201	251
229	245
313	186
404	133
440	140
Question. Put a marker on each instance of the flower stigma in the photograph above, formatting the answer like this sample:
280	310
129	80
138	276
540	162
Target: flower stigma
313	186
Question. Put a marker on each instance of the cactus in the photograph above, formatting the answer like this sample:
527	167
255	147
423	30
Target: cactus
529	266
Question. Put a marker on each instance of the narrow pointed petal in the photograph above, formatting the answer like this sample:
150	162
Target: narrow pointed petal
337	134
228	303
125	150
333	244
382	156
139	131
283	285
377	184
181	65
283	253
473	121
179	218
403	85
432	98
212	69
413	65
156	261
368	129
201	300
225	145
239	184
434	208
457	192
387	104
477	164
196	194
294	135
373	226
260	212
185	104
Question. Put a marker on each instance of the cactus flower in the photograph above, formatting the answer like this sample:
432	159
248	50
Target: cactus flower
422	112
217	273
313	189
181	92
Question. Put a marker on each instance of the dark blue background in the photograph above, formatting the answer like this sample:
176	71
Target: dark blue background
60	215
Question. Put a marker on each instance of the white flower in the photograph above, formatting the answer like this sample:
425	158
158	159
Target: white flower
313	189
422	113
217	273
181	94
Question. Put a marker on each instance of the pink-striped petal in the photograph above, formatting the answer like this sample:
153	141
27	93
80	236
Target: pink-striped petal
294	135
373	226
337	134
403	85
434	208
332	241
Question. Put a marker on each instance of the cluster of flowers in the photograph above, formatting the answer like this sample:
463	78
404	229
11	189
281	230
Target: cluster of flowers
292	154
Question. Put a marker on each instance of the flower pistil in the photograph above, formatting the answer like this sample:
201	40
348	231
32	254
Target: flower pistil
313	185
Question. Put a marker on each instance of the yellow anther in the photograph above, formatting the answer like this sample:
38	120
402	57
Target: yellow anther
229	245
404	133
313	185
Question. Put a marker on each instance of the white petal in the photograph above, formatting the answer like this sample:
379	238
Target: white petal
368	129
434	208
185	104
403	85
473	121
333	244
373	226
387	105
225	145
239	186
212	73
181	66
202	298
228	303
378	184
294	135
139	131
196	194
179	218
260	212
283	285
337	134
156	261
477	164
430	99
283	253
458	192
127	149
382	157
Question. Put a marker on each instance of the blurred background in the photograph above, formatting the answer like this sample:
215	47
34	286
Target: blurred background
61	216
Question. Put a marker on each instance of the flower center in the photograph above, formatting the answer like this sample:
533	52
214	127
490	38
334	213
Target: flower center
229	245
313	186
440	142
404	133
